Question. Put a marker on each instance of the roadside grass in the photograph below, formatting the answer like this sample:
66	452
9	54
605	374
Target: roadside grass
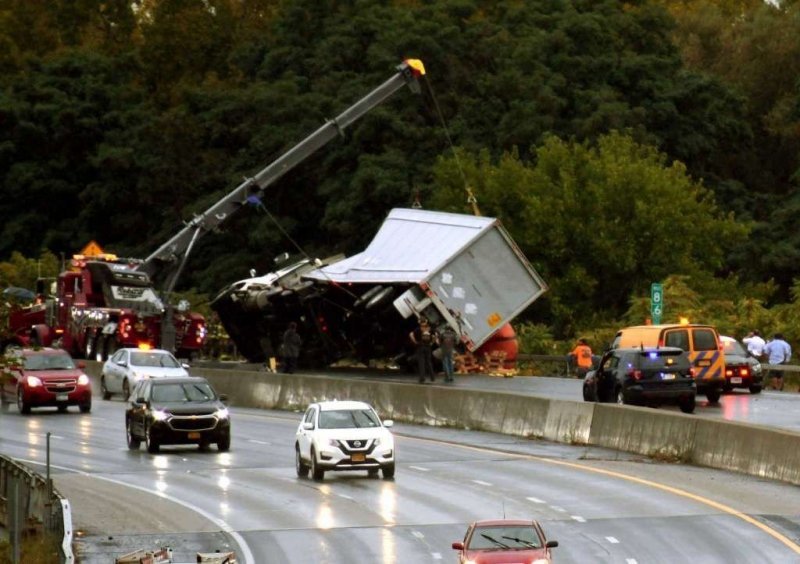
35	549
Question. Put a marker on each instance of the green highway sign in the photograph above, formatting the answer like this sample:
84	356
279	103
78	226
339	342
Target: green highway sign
656	302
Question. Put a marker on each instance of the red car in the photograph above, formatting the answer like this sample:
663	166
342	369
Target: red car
46	378
504	541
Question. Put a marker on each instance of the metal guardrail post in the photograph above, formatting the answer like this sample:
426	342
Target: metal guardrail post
15	524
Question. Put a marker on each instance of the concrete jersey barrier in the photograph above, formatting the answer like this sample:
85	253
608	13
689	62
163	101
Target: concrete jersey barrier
750	449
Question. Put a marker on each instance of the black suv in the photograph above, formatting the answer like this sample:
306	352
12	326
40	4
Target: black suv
177	410
644	376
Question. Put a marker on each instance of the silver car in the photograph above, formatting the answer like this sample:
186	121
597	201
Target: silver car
128	366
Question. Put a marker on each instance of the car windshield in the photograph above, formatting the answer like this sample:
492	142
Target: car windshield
518	537
733	347
347	419
154	359
49	362
182	392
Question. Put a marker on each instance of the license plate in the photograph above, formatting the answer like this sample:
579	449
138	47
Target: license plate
736	380
194	435
359	457
62	397
667	376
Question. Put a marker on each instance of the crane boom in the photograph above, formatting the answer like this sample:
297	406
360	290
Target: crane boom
178	248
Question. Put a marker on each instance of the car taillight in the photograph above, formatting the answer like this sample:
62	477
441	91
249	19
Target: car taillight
691	372
745	371
635	374
728	372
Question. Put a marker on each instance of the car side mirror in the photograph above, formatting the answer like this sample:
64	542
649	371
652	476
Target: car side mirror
458	545
388	423
223	398
185	365
551	544
141	401
81	365
308	426
122	363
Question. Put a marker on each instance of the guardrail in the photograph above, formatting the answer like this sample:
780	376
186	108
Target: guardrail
28	502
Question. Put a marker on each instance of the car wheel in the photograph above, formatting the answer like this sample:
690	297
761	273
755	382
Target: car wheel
316	472
133	442
589	393
224	443
21	405
103	389
300	466
4	405
86	407
150	442
687	405
713	396
62	408
388	471
373	472
203	446
620	397
126	389
755	389
727	389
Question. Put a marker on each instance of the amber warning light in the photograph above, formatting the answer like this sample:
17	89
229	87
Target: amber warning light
416	66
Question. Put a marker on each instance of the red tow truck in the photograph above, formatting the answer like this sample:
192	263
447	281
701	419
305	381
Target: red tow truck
99	304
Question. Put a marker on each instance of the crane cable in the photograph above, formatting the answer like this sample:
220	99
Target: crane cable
471	199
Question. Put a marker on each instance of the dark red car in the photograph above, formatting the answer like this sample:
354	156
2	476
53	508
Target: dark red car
504	541
46	378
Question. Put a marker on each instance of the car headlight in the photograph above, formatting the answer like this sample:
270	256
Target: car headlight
377	441
540	561
34	382
333	443
470	562
159	415
83	380
222	413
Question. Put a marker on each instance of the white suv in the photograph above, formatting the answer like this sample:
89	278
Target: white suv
343	435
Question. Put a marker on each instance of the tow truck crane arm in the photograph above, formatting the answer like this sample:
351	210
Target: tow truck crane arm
178	248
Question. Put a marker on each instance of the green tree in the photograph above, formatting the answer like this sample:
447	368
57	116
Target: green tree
601	221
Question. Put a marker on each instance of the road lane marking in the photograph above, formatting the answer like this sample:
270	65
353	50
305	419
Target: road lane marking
257	442
557	508
783	539
436	555
247	554
578	518
612	540
420	468
481	483
535	499
418	534
630	561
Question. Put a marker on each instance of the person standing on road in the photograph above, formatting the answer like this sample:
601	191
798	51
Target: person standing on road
290	348
447	344
755	344
778	351
423	337
581	357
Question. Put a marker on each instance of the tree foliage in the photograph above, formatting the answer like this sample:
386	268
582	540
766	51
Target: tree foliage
119	120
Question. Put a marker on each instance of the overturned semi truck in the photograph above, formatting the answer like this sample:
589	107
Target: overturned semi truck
459	270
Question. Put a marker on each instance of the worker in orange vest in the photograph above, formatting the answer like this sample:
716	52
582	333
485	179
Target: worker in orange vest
581	358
